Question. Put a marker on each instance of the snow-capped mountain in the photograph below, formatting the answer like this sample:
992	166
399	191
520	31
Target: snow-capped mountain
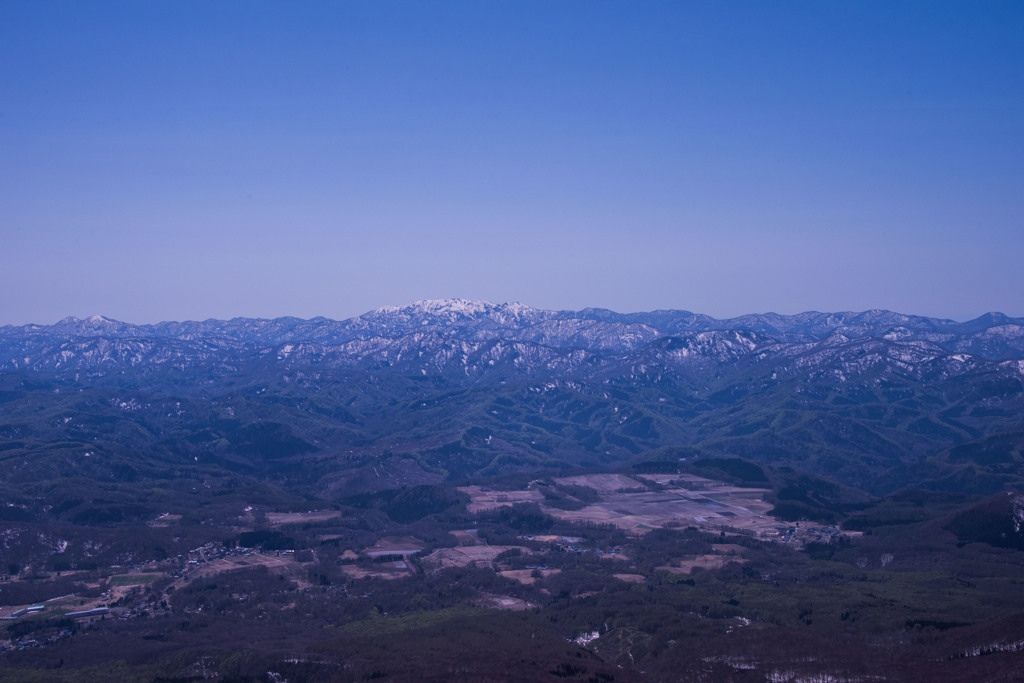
992	336
875	399
472	340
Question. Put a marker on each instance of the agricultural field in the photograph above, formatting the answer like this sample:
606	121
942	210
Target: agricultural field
611	568
630	504
282	518
483	499
466	556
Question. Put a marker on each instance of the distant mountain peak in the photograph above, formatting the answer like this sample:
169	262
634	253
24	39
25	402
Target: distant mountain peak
464	306
467	308
91	321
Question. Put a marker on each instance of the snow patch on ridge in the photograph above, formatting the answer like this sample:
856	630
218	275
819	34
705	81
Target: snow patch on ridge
466	307
1017	500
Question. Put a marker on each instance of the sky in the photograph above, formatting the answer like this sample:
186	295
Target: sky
212	159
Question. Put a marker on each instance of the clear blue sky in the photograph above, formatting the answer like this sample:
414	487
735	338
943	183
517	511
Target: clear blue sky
187	159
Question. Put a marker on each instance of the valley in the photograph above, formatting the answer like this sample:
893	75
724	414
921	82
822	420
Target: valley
499	557
458	489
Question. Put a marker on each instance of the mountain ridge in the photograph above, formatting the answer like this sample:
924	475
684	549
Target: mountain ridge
992	335
876	400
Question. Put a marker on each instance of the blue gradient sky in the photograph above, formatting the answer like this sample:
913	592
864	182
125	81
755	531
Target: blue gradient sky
185	160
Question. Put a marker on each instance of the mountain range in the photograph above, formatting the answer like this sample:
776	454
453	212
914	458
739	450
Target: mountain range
873	401
993	336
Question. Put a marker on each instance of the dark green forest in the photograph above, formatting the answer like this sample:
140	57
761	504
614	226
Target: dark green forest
237	508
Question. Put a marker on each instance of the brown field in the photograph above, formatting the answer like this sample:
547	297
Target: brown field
684	480
394	545
630	578
525	576
504	602
279	518
556	539
469	555
603	483
380	570
717	505
485	499
621	557
713	506
282	562
686	566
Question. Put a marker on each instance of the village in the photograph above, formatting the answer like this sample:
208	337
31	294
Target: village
632	504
